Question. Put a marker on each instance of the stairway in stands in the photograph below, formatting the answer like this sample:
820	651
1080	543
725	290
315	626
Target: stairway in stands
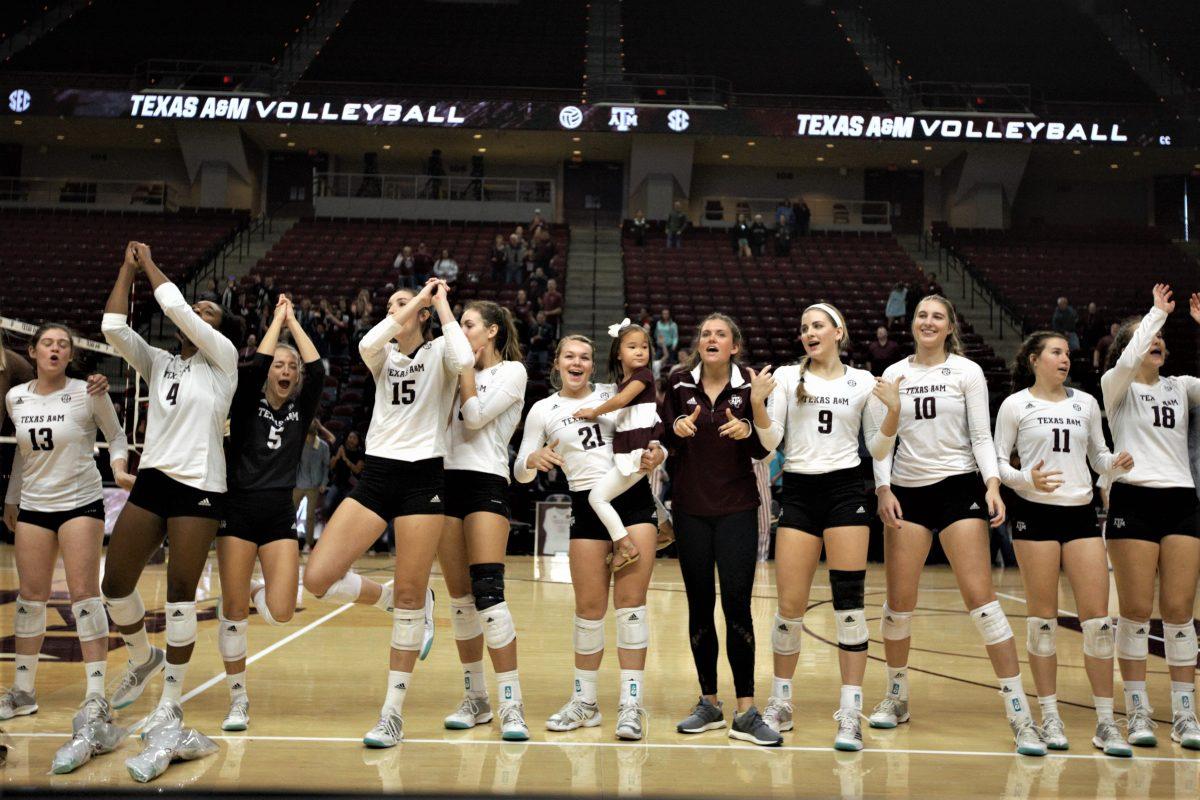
596	292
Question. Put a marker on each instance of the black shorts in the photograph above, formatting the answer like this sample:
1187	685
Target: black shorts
815	503
166	497
468	491
1042	522
392	488
1142	512
940	505
260	516
53	520
635	505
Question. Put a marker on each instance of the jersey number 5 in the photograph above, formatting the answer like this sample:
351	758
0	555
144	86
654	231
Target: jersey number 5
402	392
47	442
273	440
591	437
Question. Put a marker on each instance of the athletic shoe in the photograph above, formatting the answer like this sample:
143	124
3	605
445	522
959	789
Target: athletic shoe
471	711
749	727
575	714
94	708
849	734
629	721
388	732
165	713
427	642
1054	733
778	715
1140	727
1028	738
1185	731
512	722
135	679
1109	739
238	718
704	717
889	713
15	703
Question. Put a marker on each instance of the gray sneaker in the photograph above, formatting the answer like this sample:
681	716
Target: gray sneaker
388	732
778	715
135	679
629	722
94	708
1185	730
1109	739
889	713
15	703
575	714
1054	733
849	732
471	711
1027	737
704	717
749	727
1140	727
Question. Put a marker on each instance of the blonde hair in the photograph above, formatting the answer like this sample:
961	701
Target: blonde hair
843	345
953	343
299	368
555	378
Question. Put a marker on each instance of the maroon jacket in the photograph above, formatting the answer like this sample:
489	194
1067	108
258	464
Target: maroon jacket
711	475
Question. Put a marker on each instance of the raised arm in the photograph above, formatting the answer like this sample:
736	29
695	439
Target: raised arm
478	412
115	324
373	346
1114	384
457	354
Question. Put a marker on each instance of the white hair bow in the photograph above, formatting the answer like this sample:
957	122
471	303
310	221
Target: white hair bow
615	330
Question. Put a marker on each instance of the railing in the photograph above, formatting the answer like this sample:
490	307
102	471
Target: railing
457	188
661	89
1149	59
143	196
210	76
307	88
311	33
982	98
975	287
827	213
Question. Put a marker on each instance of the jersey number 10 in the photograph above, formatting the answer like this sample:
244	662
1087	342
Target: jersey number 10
924	407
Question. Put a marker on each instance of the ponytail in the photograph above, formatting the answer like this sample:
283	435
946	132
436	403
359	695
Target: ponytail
507	343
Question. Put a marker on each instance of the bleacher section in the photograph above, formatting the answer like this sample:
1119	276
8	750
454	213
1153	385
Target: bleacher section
1173	27
15	15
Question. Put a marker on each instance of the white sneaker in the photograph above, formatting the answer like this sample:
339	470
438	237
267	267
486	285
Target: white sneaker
1109	739
1027	737
238	718
1140	727
471	711
849	734
388	732
889	713
629	722
512	722
1185	731
575	714
15	703
165	713
1054	733
778	715
427	641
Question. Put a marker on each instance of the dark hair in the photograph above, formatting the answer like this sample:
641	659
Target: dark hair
555	380
232	326
52	326
1121	340
1022	372
616	371
427	322
508	343
734	331
953	343
843	345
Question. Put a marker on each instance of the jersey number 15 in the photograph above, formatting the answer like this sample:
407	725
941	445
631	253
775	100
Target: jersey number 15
402	392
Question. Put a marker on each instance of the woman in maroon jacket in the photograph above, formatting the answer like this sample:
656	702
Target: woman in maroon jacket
710	404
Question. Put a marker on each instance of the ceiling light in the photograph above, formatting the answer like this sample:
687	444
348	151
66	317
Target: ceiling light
915	161
387	147
829	145
18	122
725	155
751	144
928	147
291	144
157	140
139	126
820	158
482	150
283	135
60	137
576	152
477	136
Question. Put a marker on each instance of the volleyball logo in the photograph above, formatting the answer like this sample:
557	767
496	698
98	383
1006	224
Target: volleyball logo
19	100
570	117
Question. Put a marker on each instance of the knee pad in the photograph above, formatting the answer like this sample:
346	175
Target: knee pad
231	637
848	588
852	632
993	625
1133	639
498	628
1179	642
31	618
589	636
91	622
345	589
464	618
896	624
785	635
126	610
259	599
633	629
487	584
181	624
408	628
1039	636
1099	639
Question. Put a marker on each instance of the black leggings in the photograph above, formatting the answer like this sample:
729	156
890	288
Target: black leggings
731	543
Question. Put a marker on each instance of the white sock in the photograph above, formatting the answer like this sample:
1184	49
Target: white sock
173	682
26	673
781	689
1049	705
585	684
397	688
384	603
236	684
1104	708
897	683
96	671
1183	697
1013	692
631	686
1135	696
508	685
138	645
851	697
473	680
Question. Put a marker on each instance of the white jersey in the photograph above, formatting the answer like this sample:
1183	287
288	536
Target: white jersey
820	432
1150	422
413	391
189	397
945	429
54	469
482	427
1066	434
586	447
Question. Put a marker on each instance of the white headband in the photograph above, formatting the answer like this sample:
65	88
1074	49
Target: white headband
615	330
831	311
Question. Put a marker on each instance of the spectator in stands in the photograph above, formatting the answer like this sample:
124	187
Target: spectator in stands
916	290
882	352
405	267
1065	320
897	304
803	218
783	236
247	352
758	236
542	337
544	251
1100	352
646	320
786	215
677	223
312	480
666	335
682	357
498	258
347	463
932	286
422	264
638	228
514	260
1091	327
446	268
229	293
740	234
523	310
552	305
537	224
435	169
520	232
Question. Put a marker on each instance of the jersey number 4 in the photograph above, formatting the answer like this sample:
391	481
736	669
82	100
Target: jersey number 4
173	394
591	437
402	392
47	436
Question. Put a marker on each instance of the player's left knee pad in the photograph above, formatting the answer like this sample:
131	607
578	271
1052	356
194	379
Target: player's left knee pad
895	625
408	628
126	610
993	625
259	599
633	629
1133	639
785	635
589	636
91	621
464	618
1099	637
31	618
1039	636
498	628
848	589
231	637
345	589
1179	642
181	624
487	584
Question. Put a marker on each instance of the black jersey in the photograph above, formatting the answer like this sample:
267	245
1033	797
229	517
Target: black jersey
264	443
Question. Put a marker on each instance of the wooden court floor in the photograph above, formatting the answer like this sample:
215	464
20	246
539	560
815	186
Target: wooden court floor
316	686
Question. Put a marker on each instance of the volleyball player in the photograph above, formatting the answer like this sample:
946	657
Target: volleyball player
181	476
415	380
272	410
555	437
1152	528
942	479
1056	431
817	408
491	394
55	503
